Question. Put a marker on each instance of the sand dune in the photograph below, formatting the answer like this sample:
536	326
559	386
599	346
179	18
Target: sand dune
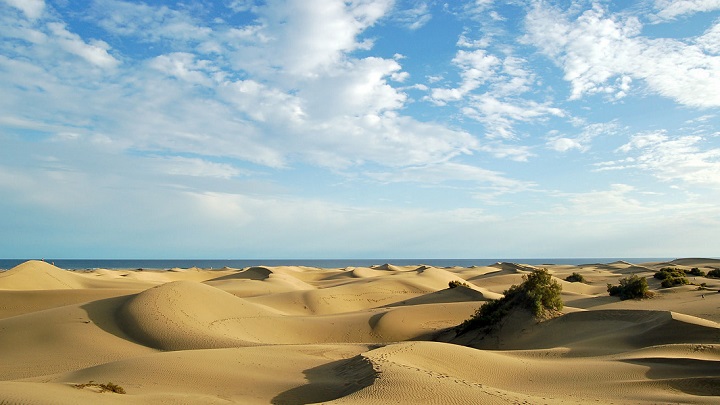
361	335
39	275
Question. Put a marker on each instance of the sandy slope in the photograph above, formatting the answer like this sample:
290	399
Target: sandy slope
292	335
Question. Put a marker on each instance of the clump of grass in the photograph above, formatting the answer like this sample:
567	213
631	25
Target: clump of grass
633	287
538	293
575	278
109	387
458	283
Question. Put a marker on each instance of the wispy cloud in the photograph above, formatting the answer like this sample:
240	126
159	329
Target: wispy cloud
33	9
675	158
581	142
602	53
671	9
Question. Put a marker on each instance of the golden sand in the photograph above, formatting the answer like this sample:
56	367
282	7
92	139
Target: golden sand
380	335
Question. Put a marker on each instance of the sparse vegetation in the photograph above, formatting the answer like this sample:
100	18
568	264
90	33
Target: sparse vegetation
671	277
575	278
457	283
633	287
714	273
109	387
696	272
538	293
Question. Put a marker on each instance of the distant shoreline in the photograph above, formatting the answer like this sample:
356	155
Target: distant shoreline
110	264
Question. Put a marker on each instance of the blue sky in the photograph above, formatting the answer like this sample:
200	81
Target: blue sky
359	129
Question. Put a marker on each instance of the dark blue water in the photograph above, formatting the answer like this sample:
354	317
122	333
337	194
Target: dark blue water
79	264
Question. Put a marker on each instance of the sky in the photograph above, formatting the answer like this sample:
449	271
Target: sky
359	129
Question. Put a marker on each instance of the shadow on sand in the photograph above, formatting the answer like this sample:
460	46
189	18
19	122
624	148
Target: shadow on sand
330	381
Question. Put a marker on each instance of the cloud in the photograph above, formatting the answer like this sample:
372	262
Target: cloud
595	48
415	17
682	159
304	39
581	142
500	116
476	67
148	23
196	167
492	91
184	66
450	172
33	9
671	9
710	40
618	199
95	52
339	111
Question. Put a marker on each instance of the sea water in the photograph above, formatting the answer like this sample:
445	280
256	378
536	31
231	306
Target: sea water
83	264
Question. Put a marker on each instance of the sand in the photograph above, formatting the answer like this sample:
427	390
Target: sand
363	335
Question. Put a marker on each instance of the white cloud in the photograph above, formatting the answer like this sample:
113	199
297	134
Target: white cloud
710	40
682	158
241	5
415	17
195	167
389	140
183	66
565	144
490	92
95	52
500	116
445	172
149	23
358	87
33	9
618	200
596	47
581	142
671	9
476	67
305	39
501	150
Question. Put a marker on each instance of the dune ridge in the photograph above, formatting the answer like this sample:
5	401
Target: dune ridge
357	335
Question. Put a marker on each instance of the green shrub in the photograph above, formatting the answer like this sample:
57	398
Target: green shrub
457	283
674	281
669	272
671	277
538	293
633	287
575	278
714	273
696	272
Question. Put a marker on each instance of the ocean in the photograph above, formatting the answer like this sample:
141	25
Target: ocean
85	264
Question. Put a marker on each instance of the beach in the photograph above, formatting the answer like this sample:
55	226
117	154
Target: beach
381	334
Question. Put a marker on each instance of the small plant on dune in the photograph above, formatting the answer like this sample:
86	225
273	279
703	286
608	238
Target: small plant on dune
674	281
538	293
458	283
696	272
633	287
109	387
671	277
575	278
714	273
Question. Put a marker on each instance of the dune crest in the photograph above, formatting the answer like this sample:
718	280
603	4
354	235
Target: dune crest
39	275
